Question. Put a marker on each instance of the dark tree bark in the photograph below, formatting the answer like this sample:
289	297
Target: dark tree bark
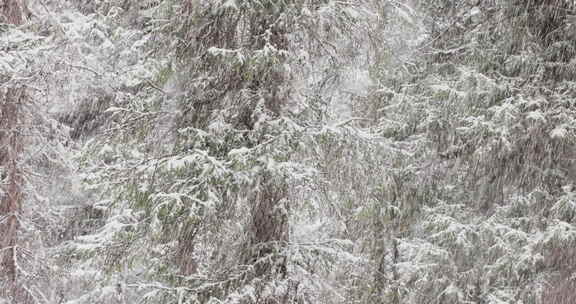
561	288
11	174
11	193
269	231
14	11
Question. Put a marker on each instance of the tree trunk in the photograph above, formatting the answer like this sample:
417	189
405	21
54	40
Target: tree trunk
14	11
11	178
561	288
11	192
269	230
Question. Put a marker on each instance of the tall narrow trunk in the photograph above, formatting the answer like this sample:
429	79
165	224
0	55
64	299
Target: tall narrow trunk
12	11
269	231
11	193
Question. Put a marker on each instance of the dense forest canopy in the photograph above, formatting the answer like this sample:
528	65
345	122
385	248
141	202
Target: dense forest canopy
287	151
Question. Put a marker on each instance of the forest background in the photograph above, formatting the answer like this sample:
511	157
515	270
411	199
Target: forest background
289	151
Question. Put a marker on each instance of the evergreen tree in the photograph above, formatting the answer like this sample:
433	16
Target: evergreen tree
486	114
294	151
206	148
